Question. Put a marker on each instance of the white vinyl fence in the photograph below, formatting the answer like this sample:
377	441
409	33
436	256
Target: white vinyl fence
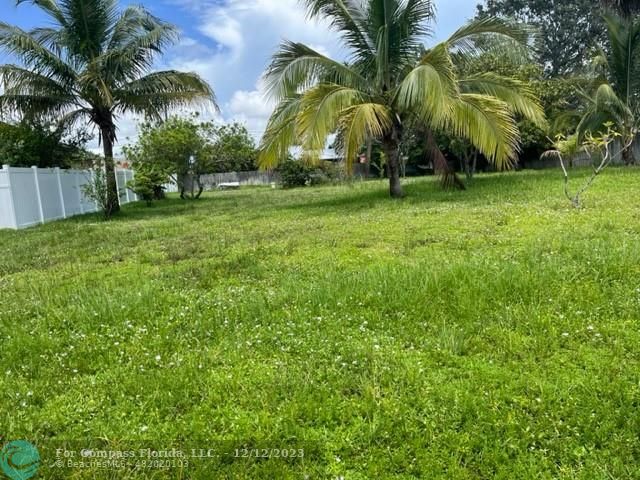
30	196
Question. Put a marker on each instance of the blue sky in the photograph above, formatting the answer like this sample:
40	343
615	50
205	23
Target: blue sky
229	42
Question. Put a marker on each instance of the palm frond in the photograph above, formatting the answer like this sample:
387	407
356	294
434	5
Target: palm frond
35	106
50	7
360	123
487	123
624	50
429	88
592	121
34	54
511	37
348	18
281	133
137	55
157	93
298	67
414	16
516	94
134	21
320	110
31	94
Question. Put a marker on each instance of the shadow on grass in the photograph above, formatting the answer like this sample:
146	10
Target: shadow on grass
484	189
487	188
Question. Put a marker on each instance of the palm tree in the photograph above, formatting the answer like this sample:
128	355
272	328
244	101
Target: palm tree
92	64
616	97
391	80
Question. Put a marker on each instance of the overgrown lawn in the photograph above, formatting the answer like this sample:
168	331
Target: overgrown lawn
492	333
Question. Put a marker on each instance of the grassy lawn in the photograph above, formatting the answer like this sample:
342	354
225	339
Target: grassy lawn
485	334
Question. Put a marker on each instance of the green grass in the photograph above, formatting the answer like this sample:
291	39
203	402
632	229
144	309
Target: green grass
487	334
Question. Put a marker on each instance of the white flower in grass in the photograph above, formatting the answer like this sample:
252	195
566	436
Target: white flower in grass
158	358
565	334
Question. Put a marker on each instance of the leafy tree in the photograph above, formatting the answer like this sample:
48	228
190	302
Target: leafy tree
27	144
90	63
568	29
382	87
232	149
177	147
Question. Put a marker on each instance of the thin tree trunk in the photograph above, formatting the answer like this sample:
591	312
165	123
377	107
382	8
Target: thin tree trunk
627	155
113	204
467	166
369	155
391	148
475	162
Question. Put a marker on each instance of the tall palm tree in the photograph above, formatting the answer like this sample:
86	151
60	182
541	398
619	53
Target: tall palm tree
92	64
391	80
616	97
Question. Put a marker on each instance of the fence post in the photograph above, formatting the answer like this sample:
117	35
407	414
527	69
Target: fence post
76	173
126	190
117	186
12	207
64	209
93	182
38	196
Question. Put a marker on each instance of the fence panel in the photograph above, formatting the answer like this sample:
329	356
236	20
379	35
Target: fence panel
29	196
7	212
25	197
52	208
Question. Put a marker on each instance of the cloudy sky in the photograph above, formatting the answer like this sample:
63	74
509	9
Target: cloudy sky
229	43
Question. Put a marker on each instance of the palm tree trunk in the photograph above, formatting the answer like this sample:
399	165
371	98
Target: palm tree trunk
113	203
391	148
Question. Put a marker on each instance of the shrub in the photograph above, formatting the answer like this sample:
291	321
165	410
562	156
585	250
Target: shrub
148	185
97	191
295	173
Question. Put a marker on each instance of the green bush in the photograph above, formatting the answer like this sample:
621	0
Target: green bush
148	185
295	173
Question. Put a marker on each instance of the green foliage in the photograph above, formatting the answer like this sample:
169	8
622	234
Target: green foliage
185	148
568	30
27	144
96	190
490	335
91	63
295	173
148	184
614	96
232	148
178	147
